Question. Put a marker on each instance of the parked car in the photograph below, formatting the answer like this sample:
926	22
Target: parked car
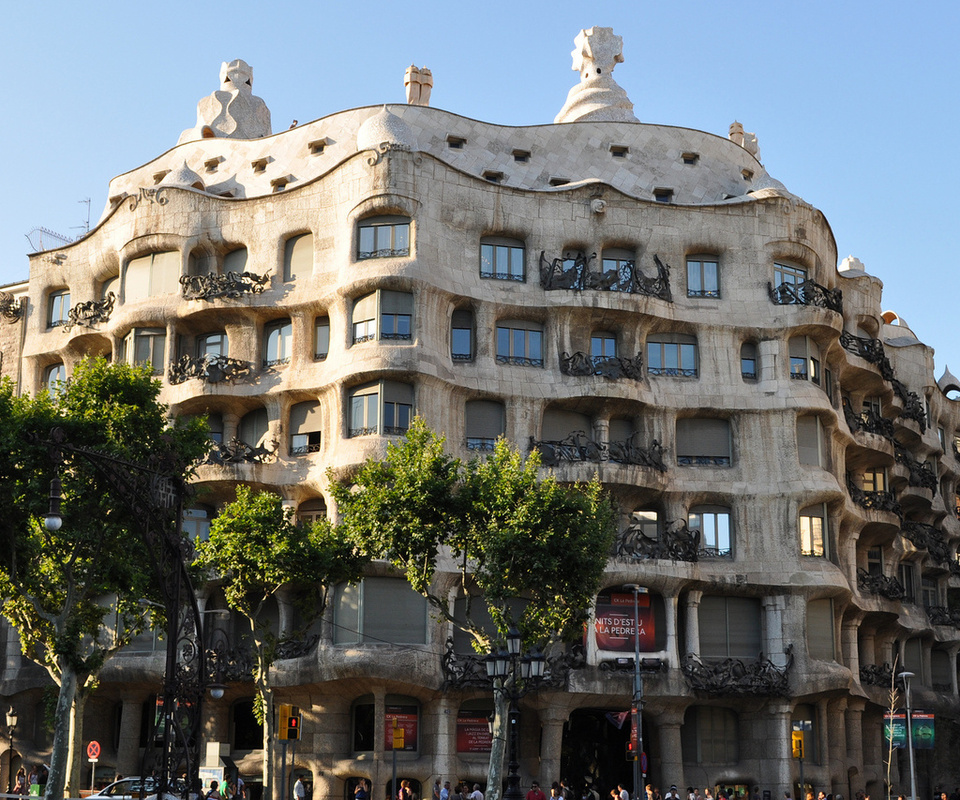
131	789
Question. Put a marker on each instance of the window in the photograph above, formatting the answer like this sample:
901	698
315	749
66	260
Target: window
379	611
311	511
811	446
805	360
521	156
617	261
813	529
298	257
559	423
145	346
789	275
364	723
730	627
277	343
383	237
913	658
502	258
713	522
235	260
875	561
196	523
461	335
484	423
748	361
305	428
155	274
254	428
215	424
384	407
672	354
929	592
710	735
662	194
54	378
520	342
395	311
603	345
110	285
874	480
703	277
212	344
58	308
321	338
907	574
619	150
703	442
940	670
820	637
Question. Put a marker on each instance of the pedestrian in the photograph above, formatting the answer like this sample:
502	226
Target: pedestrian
405	792
299	789
436	789
536	793
673	794
476	794
214	792
445	791
624	794
20	787
360	790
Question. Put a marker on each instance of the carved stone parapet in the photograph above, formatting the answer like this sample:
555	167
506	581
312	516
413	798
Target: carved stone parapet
882	585
807	293
210	369
869	350
675	542
575	274
578	447
912	405
91	313
237	451
736	677
873	501
11	309
610	367
920	474
230	284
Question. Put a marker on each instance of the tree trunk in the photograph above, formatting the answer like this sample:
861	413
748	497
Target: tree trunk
74	757
268	759
59	759
501	707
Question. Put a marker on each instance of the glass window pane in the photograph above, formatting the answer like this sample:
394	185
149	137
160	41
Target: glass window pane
486	259
461	344
535	344
502	259
710	277
654	355
367	240
518	348
401	236
322	338
694	284
688	357
503	342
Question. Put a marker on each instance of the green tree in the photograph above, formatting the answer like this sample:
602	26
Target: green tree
254	551
73	593
513	535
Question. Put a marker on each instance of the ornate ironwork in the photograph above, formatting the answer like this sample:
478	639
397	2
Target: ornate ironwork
296	646
873	501
208	368
237	451
885	586
912	405
868	421
626	665
807	293
520	361
575	274
738	677
11	309
158	196
941	615
927	537
469	670
230	284
920	474
869	350
91	313
703	461
578	447
610	367
481	444
675	541
879	675
399	252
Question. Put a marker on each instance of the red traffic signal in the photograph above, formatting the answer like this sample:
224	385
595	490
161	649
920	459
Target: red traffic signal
632	751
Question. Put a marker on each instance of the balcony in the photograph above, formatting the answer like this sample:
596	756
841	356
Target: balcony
737	677
926	537
10	309
578	447
807	293
868	421
209	369
873	675
869	350
609	367
919	473
881	585
675	542
912	405
575	275
237	451
231	285
90	313
873	501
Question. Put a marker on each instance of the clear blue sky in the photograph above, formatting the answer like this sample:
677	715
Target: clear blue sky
854	103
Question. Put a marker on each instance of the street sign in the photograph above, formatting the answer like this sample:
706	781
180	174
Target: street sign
643	762
93	751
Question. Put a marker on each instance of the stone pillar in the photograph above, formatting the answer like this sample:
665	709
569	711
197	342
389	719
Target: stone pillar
770	356
773	608
671	753
868	648
692	645
777	756
231	423
445	753
850	557
601	430
854	732
953	670
835	764
848	643
670	620
551	742
128	751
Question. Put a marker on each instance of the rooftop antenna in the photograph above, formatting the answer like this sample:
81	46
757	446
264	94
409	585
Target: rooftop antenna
86	224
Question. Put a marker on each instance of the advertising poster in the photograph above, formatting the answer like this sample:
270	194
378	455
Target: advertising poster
473	734
614	625
895	725
407	717
923	729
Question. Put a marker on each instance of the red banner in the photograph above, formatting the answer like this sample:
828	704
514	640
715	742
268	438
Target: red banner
614	626
473	735
408	719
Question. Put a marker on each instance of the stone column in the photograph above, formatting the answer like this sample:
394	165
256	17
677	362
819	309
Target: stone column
773	607
231	424
128	751
868	648
551	742
848	643
953	670
777	755
770	355
670	620
835	764
671	753
692	645
854	732
445	753
850	557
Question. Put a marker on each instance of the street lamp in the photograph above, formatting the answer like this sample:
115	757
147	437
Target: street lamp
905	677
637	709
517	674
11	728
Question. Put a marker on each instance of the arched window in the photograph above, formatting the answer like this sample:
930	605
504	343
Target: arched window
254	427
54	378
305	428
461	335
152	275
58	308
520	342
310	511
703	276
383	237
813	530
379	611
298	257
277	343
748	361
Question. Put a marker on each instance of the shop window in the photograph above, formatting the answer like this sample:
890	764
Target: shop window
364	723
461	335
520	342
152	275
748	361
305	427
502	258
298	257
143	346
730	627
703	276
820	630
384	407
379	611
277	343
321	338
473	730
401	711
713	522
484	424
811	444
58	308
703	442
383	237
616	611
673	354
710	735
813	530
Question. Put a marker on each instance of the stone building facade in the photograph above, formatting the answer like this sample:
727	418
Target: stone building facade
638	302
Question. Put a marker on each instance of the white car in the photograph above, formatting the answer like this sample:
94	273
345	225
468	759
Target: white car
131	789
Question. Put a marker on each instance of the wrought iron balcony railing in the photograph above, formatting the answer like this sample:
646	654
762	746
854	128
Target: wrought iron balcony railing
237	451
230	284
91	313
575	274
520	361
873	501
869	350
807	293
10	309
578	447
912	405
738	677
469	670
210	369
920	474
882	585
611	367
868	421
675	541
879	675
941	615
385	252
927	537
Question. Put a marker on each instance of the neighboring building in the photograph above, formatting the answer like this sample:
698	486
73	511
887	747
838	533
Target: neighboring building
639	302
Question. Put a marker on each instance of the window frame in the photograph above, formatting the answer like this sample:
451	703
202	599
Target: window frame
493	249
370	329
375	410
462	324
512	329
785	273
283	330
712	549
808	538
748	358
667	342
54	377
484	408
58	308
697	268
399	239
701	459
131	343
346	635
321	351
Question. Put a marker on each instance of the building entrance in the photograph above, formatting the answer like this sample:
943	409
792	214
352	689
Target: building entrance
594	752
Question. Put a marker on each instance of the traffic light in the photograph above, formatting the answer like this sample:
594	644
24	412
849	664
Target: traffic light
632	751
290	719
796	741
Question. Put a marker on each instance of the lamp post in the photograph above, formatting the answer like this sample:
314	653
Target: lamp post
11	729
905	677
637	710
517	675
